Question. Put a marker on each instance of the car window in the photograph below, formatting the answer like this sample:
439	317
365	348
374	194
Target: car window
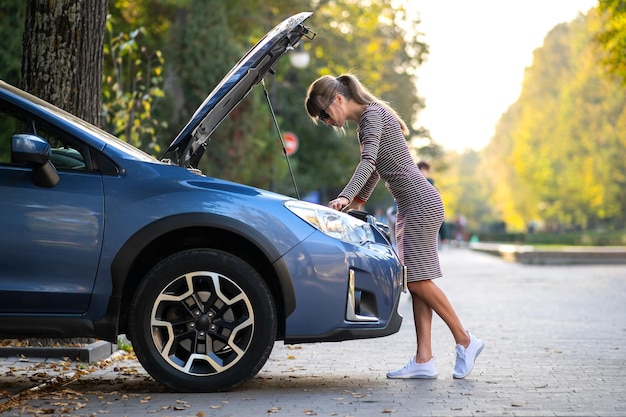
67	154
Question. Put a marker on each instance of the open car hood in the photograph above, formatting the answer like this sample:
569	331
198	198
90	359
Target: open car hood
189	144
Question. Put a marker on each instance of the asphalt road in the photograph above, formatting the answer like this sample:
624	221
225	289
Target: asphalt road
555	346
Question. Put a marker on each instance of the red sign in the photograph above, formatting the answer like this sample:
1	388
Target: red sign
291	143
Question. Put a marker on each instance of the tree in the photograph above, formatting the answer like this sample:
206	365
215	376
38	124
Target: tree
245	148
557	155
201	50
62	59
131	85
62	54
612	37
11	51
464	189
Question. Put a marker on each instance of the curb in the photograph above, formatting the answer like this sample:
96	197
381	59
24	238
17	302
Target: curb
569	255
92	352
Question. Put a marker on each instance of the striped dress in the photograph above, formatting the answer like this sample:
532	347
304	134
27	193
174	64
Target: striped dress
385	155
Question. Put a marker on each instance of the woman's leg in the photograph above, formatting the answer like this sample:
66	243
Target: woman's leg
423	364
434	298
423	318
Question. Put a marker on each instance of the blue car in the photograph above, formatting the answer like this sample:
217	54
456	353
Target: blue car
203	275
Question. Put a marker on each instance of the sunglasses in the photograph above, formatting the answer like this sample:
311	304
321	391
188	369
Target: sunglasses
323	116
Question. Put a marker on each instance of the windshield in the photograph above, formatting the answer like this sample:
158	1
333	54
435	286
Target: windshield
110	140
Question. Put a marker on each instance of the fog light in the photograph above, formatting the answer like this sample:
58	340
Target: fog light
353	308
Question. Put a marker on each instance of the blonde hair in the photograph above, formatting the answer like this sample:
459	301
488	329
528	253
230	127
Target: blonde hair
322	90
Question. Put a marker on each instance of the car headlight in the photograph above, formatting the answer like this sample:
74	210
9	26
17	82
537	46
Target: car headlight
332	222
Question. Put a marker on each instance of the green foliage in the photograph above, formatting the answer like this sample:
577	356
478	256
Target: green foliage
11	12
124	344
371	43
202	40
464	189
153	15
201	50
557	156
612	37
10	55
130	86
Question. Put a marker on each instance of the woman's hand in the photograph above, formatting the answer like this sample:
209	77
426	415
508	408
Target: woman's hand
338	203
353	206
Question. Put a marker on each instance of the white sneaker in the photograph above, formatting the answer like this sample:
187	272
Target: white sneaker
415	370
465	357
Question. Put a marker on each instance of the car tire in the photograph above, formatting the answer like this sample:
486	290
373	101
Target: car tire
202	320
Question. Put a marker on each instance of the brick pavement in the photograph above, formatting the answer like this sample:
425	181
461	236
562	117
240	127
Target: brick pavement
555	346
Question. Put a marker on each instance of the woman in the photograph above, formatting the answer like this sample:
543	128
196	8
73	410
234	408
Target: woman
385	154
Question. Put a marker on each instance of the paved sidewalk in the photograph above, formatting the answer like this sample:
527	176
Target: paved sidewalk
555	346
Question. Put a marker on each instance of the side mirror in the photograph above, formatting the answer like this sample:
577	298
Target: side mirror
35	151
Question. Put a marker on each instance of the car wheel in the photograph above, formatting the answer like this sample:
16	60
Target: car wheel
202	320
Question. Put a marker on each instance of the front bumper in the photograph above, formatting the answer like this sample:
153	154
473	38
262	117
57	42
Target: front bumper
343	291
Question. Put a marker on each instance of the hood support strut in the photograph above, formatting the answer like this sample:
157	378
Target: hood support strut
280	137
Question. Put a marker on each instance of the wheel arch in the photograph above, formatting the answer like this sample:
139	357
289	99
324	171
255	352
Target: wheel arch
174	234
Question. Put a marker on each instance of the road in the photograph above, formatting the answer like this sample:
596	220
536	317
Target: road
555	346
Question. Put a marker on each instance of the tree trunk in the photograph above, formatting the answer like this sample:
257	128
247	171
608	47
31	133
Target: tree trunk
62	53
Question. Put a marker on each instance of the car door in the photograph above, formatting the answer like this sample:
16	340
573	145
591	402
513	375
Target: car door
50	238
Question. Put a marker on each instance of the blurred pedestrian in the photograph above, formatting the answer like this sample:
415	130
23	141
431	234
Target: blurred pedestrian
424	168
385	154
460	233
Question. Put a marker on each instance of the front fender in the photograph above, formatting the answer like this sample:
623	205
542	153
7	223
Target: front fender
126	259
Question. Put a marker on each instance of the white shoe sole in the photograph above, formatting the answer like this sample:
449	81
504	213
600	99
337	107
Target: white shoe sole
412	376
